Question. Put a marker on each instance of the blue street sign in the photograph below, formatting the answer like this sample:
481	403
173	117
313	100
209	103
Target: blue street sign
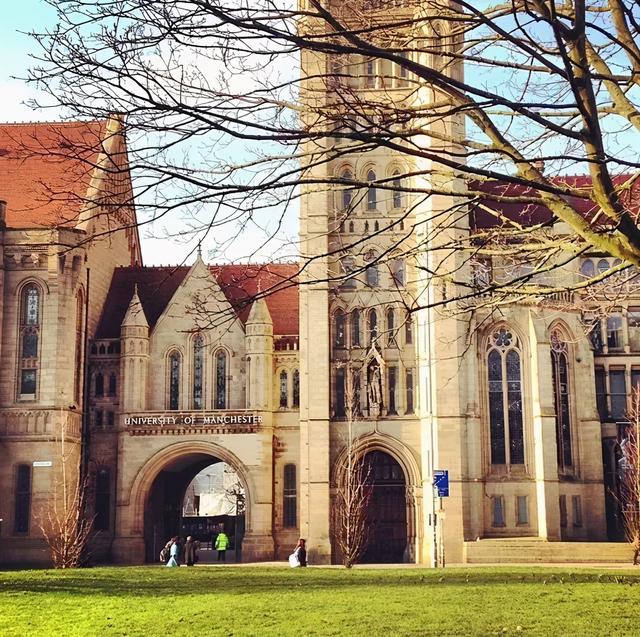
441	482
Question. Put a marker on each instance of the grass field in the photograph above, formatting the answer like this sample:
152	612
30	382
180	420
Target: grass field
202	601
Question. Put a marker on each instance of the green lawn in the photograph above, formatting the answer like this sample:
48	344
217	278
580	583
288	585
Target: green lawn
155	601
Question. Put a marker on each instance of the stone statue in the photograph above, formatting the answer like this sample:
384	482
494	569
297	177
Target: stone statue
374	389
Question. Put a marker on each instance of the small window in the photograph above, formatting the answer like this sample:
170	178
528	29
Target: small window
397	186
618	394
563	511
373	327
113	385
355	328
409	388
576	506
497	507
340	387
99	386
339	337
111	417
392	379
408	329
220	397
587	269
372	277
22	510
634	328
284	381
290	499
98	417
614	332
370	73
522	510
296	388
391	329
347	192
372	191
601	393
603	266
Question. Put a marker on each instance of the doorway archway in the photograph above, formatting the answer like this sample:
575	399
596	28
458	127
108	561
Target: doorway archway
387	511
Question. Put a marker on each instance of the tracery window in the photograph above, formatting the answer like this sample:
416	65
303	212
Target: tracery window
220	398
113	384
560	370
347	192
397	197
102	500
284	381
355	328
373	326
391	328
174	380
30	326
296	388
99	385
505	398
372	191
339	329
198	371
408	329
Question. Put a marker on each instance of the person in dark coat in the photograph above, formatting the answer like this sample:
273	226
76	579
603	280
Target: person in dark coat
190	551
301	552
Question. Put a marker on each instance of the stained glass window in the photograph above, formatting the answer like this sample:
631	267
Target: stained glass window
174	380
505	398
559	365
355	328
372	191
284	380
198	371
373	326
221	380
339	333
29	339
296	388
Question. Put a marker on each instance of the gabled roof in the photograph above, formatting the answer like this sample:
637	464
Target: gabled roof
240	284
527	208
46	169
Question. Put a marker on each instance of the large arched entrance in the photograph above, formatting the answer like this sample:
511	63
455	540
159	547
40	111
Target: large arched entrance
387	511
195	494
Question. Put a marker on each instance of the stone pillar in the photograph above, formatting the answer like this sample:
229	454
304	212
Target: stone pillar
259	348
543	435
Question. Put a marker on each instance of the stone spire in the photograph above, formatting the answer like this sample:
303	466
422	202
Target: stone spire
135	316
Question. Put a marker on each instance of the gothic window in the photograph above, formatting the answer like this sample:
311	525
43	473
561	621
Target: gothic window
603	266
30	325
77	374
99	385
113	384
347	192
174	380
391	329
284	381
348	266
370	73
220	398
398	272
296	388
408	329
290	500
614	332
409	389
505	398
373	326
22	508
560	375
391	376
355	328
198	371
340	404
396	183
101	521
372	276
587	269
372	191
339	322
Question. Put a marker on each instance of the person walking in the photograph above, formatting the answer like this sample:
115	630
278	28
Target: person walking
190	551
222	544
174	552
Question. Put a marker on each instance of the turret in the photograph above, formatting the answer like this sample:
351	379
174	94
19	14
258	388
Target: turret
259	335
134	358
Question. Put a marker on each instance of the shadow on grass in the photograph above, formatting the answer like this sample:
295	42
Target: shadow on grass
159	582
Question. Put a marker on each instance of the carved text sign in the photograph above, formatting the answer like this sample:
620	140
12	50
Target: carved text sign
191	420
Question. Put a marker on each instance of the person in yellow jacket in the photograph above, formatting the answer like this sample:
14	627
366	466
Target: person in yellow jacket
222	544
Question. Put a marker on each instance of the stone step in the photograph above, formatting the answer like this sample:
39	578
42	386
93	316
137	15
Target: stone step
513	550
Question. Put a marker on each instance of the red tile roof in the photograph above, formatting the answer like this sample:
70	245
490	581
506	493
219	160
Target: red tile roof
45	169
240	283
531	212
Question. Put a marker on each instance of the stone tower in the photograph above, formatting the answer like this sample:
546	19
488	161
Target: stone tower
134	365
259	339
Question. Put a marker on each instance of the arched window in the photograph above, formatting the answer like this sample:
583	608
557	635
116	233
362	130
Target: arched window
505	398
198	371
347	192
560	370
99	385
372	191
373	326
284	381
398	272
77	374
113	384
587	269
355	328
391	328
603	266
296	388
339	329
103	500
348	267
370	73
30	325
174	380
396	183
220	399
408	329
290	500
371	274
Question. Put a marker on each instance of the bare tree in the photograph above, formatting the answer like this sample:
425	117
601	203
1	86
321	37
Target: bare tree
354	488
64	523
628	495
486	111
